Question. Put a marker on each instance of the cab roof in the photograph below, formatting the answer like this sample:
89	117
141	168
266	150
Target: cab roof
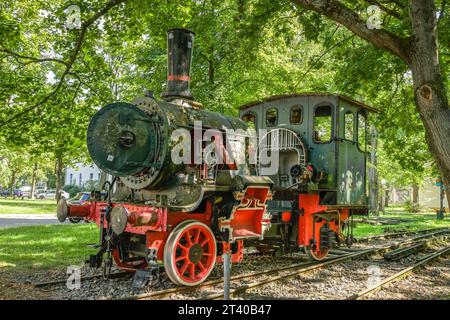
315	94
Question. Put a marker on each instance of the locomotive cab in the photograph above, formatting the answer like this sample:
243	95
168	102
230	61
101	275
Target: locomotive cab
322	143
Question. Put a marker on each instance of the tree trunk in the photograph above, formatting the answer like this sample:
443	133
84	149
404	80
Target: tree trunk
33	180
420	52
429	90
12	183
386	198
59	169
415	193
373	173
381	198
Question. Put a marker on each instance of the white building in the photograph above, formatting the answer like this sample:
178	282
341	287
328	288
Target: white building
80	173
430	196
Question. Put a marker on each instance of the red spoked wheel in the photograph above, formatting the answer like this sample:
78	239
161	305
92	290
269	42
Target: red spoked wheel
317	254
190	253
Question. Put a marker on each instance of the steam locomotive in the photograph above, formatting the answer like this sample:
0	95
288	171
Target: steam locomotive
189	185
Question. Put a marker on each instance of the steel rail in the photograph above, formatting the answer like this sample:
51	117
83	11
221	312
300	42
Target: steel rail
396	234
401	274
400	253
218	296
169	291
112	276
61	281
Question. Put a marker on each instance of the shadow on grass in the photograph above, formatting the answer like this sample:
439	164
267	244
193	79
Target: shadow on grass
46	246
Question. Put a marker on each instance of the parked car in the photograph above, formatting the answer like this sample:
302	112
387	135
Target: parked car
38	192
17	193
51	194
80	198
26	191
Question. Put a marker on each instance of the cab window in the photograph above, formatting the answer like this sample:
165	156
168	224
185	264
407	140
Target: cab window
362	130
271	117
323	124
250	119
296	114
349	124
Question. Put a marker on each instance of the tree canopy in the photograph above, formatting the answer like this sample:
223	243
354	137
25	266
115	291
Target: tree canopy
53	77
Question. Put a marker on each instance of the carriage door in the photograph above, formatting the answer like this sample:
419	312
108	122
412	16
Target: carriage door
351	166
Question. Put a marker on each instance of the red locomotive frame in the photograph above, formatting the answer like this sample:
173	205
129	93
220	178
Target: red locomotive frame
189	234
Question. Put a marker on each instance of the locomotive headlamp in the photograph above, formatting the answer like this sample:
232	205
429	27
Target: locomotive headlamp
119	219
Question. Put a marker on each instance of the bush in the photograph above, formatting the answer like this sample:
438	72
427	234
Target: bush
72	189
91	185
412	207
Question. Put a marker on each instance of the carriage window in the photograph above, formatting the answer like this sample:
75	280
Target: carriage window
349	125
250	119
271	117
296	114
362	130
323	123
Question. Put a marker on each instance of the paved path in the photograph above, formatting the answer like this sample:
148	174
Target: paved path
20	220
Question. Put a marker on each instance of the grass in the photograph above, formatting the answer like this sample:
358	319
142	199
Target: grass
40	247
17	206
417	221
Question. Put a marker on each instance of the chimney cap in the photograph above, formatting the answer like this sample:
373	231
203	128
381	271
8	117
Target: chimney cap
181	29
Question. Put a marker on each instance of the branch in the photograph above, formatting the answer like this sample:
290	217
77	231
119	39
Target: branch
31	59
84	83
70	61
398	3
338	12
320	57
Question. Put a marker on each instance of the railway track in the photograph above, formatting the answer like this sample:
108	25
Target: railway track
396	234
287	272
292	270
114	275
401	274
400	253
120	274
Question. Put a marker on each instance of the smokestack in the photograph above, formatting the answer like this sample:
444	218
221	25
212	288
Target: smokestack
179	51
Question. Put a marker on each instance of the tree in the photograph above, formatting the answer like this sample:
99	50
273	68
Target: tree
419	50
244	50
